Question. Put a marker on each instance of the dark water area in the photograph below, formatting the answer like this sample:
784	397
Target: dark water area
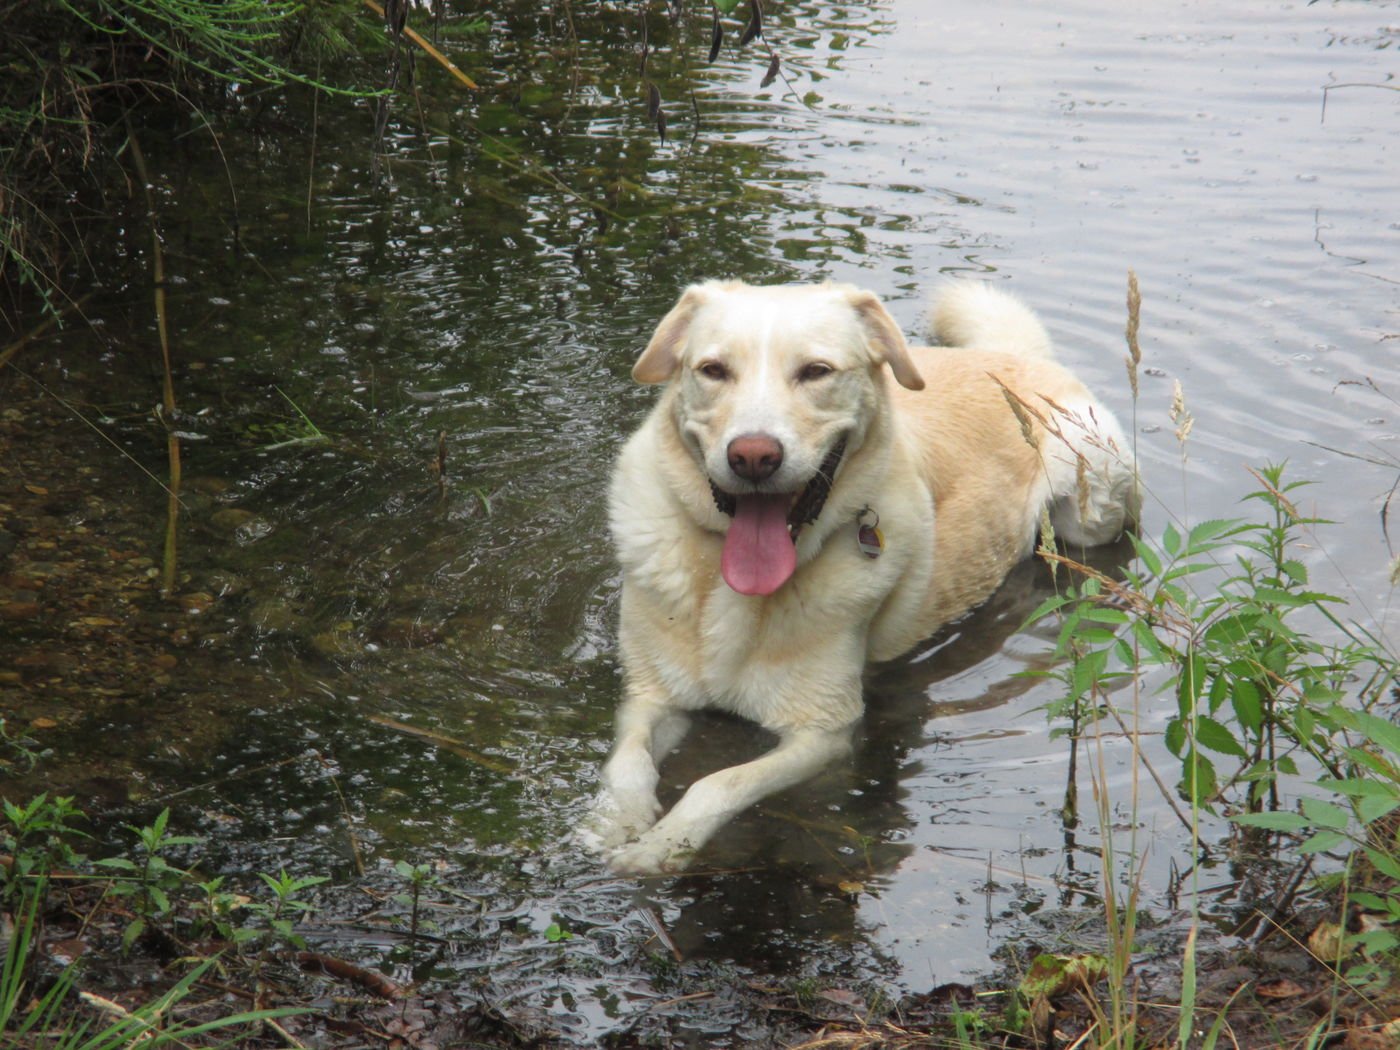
361	666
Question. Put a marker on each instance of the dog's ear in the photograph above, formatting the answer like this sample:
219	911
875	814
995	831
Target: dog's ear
885	337
662	356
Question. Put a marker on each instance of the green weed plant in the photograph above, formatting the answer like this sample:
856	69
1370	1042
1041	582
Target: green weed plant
39	836
1278	714
54	1022
36	835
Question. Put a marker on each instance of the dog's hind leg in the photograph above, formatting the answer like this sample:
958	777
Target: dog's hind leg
715	799
1094	485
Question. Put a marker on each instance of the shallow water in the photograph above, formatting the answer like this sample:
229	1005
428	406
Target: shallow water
472	296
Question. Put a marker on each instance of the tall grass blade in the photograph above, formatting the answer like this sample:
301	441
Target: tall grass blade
1187	1023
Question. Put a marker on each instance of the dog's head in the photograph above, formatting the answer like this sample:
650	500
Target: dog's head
771	384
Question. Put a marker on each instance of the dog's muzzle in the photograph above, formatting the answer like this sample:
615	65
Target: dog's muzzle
809	503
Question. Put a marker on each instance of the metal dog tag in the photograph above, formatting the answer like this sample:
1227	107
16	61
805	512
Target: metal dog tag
870	540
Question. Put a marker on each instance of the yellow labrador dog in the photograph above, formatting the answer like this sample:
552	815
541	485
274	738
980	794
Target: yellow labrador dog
811	493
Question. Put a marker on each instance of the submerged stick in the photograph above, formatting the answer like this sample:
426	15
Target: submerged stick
166	410
345	814
440	466
428	49
448	743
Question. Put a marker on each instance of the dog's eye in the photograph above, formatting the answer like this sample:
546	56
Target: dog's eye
713	370
814	370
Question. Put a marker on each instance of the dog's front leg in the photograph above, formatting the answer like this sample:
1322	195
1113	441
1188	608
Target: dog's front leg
713	800
626	805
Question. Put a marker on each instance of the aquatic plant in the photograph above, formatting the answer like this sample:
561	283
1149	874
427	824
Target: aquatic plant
420	877
1269	685
77	70
152	878
35	836
54	1021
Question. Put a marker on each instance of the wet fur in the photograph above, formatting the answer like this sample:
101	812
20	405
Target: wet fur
933	448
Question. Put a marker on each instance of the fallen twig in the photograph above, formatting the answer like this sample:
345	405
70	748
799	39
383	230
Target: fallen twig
372	982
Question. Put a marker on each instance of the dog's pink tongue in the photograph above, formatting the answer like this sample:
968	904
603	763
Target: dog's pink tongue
758	552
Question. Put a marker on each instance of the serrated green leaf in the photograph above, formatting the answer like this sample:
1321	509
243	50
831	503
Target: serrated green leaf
1376	942
1369	901
1372	808
1105	614
1357	788
1096	636
1206	531
119	863
1052	604
1325	814
1211	734
1175	593
1147	556
1190	682
1385	863
1232	629
1246	703
1375	763
1185	569
1278	596
1088	670
1151	646
1219	689
1323	841
1378	730
1270	622
132	932
1198	779
1277	821
1175	736
1171	541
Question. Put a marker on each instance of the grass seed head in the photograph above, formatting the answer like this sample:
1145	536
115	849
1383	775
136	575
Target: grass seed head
1134	319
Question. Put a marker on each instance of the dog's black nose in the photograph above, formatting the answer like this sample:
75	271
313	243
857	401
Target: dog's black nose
755	456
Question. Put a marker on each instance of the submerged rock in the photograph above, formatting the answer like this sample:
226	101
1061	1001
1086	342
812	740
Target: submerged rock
339	642
274	614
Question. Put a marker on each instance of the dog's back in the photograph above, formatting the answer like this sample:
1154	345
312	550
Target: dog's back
1004	430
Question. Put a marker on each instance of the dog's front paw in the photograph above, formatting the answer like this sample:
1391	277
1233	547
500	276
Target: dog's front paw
648	856
613	821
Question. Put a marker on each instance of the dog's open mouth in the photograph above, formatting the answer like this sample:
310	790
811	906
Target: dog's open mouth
760	551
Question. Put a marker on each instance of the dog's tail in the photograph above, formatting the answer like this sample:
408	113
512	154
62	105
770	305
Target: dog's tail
979	314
